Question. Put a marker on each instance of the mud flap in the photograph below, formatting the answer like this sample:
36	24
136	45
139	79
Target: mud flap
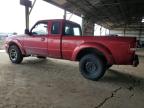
136	61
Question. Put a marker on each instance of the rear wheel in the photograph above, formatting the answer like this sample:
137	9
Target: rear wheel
15	54
92	67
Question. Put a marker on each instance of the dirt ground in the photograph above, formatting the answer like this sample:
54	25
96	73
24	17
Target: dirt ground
55	83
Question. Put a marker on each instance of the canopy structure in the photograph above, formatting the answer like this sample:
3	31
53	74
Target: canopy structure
112	14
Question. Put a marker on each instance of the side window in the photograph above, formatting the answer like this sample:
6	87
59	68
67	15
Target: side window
40	29
55	28
76	31
69	30
72	30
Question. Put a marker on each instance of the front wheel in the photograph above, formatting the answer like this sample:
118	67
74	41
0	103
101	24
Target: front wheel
92	67
15	54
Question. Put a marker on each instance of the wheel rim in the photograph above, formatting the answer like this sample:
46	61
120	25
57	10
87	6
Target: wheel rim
13	54
90	67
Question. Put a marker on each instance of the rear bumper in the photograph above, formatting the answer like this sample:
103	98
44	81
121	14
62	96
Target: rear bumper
135	61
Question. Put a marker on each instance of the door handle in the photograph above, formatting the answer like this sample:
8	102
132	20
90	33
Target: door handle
42	39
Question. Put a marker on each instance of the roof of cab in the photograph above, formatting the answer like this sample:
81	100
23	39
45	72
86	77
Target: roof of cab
57	20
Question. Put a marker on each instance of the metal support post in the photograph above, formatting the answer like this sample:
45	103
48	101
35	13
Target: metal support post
65	14
27	17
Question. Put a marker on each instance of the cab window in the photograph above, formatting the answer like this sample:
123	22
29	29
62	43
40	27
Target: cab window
40	29
55	29
72	29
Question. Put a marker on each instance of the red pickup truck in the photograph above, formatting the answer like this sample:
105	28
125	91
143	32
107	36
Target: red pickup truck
63	39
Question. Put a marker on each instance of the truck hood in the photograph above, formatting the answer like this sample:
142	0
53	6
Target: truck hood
16	36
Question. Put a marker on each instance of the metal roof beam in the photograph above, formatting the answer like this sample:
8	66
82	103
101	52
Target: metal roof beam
122	9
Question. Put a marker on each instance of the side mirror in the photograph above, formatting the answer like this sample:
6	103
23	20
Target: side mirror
27	31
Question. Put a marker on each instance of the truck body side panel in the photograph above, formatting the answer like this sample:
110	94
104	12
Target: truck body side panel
115	49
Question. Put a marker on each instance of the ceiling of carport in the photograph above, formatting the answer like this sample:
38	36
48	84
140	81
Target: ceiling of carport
111	14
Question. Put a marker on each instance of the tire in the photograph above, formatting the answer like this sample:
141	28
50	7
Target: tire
92	67
15	54
108	66
41	57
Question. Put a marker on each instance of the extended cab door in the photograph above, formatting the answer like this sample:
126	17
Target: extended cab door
36	43
71	39
54	39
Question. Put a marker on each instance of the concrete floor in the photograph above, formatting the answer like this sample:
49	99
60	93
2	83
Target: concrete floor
58	84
